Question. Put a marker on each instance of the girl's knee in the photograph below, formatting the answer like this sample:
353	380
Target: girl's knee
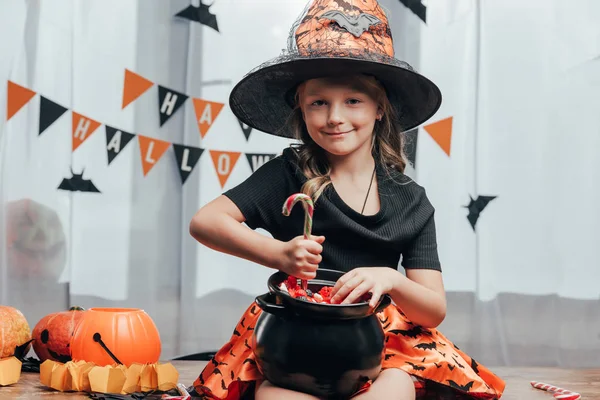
392	384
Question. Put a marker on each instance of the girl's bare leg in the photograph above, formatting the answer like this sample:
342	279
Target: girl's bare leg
391	384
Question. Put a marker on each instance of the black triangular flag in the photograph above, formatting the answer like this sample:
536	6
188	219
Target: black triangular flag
417	7
410	145
169	102
476	207
246	129
200	14
49	113
256	160
116	140
187	158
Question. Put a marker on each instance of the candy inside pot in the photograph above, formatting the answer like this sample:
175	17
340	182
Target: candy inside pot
315	293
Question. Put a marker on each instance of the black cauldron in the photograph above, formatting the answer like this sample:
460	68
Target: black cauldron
327	350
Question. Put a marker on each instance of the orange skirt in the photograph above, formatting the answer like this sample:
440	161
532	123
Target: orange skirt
439	369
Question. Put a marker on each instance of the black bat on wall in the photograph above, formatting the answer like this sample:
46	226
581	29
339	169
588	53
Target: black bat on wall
476	207
200	14
77	184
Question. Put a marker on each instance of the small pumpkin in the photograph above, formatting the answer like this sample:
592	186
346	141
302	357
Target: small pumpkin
15	334
52	335
108	336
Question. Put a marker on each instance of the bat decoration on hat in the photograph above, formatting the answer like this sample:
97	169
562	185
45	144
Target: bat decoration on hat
200	14
356	25
476	206
77	184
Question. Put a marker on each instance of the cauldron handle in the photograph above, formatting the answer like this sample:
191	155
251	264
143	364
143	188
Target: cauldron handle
269	306
385	301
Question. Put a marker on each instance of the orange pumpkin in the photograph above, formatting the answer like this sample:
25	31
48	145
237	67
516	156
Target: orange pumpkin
107	336
52	335
15	334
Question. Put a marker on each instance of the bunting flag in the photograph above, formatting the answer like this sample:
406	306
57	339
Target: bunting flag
151	150
187	157
246	129
257	160
82	129
169	101
441	132
116	140
410	145
224	161
16	97
49	113
134	86
206	113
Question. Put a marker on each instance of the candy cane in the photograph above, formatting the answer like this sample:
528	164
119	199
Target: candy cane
309	207
558	392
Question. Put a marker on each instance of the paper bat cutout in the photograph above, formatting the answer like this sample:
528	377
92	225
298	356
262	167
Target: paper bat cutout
476	207
356	25
78	184
200	14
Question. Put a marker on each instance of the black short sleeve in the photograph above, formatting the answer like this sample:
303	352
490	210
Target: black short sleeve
421	252
261	196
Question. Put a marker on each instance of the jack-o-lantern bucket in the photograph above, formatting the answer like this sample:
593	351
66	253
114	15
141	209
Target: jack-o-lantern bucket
108	336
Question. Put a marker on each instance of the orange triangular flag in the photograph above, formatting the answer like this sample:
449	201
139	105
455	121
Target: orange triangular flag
151	150
206	113
224	161
82	128
16	97
441	132
135	85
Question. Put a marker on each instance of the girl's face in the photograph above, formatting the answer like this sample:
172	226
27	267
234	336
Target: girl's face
339	116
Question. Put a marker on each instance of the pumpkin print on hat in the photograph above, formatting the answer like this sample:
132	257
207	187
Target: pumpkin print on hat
15	334
52	335
108	336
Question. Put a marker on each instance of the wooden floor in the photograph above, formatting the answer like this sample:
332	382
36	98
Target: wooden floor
585	382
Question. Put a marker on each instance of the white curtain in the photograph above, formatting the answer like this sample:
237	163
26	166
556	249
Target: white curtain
521	84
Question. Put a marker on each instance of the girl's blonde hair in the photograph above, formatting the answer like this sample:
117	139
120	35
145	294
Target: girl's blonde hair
388	141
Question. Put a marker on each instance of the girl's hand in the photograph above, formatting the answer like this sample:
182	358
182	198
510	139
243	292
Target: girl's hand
301	257
352	285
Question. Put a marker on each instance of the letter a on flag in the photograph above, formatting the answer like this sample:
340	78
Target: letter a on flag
206	113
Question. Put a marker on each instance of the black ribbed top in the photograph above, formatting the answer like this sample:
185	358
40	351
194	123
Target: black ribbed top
404	225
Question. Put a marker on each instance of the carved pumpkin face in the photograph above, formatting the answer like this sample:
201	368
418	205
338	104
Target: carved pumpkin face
52	335
343	26
35	240
15	335
107	336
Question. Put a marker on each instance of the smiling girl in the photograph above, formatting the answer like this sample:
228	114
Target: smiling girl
347	100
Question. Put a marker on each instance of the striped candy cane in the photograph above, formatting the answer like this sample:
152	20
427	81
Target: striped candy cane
558	392
309	207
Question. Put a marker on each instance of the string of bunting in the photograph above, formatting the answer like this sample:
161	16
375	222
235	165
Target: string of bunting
151	149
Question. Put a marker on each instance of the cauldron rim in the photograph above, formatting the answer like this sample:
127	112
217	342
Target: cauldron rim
307	308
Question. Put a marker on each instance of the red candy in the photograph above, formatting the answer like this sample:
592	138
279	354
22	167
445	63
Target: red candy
291	286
